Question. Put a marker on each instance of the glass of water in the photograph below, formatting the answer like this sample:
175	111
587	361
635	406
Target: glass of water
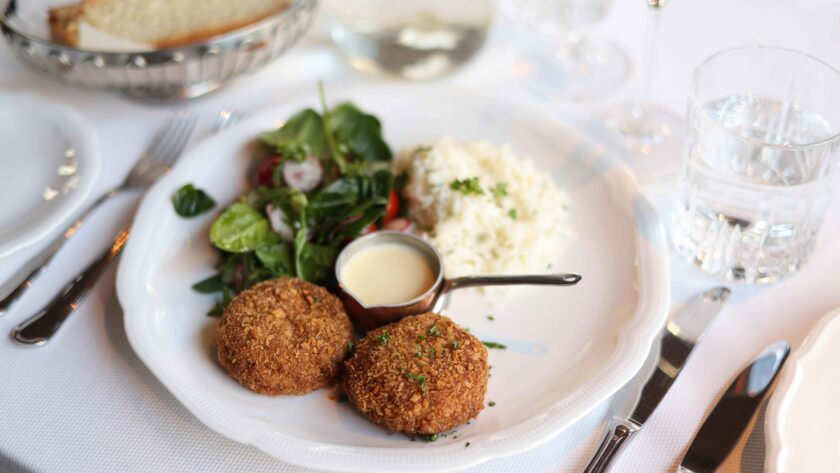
410	39
763	139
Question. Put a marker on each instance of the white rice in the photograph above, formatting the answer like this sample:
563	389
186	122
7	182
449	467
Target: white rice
476	234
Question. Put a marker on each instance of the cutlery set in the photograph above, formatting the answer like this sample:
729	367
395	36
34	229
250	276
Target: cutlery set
165	149
731	415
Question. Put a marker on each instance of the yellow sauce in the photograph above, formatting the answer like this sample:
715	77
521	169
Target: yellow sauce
387	273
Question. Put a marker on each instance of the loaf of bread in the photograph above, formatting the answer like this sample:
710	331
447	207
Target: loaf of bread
159	23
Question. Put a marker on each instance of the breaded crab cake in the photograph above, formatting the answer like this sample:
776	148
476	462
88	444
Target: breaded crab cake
284	336
421	375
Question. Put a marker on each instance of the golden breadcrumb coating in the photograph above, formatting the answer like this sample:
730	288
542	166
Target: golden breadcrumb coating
284	336
421	375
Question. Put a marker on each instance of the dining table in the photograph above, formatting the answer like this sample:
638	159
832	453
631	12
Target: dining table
84	402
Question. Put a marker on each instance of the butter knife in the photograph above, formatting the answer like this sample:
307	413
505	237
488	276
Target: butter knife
677	341
728	420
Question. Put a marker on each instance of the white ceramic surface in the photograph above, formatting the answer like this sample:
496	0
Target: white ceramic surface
803	417
569	348
50	163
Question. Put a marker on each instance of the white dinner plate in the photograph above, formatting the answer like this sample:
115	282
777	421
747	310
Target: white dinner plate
50	163
804	414
569	349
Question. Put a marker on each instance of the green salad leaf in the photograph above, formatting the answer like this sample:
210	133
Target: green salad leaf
241	228
299	137
316	261
190	201
277	257
210	285
359	132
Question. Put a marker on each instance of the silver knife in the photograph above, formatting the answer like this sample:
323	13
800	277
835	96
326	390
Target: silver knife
730	417
678	339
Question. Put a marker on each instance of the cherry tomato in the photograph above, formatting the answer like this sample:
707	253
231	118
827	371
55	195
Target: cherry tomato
391	208
264	173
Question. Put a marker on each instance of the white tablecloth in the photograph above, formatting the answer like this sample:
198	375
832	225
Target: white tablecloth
85	403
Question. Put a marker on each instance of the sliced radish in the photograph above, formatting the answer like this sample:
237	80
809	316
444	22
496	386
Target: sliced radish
368	229
305	175
397	225
278	222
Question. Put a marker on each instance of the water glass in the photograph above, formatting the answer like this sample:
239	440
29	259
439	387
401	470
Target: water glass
410	39
763	138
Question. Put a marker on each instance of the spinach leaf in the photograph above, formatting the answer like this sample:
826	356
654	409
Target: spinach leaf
316	261
277	257
189	201
359	132
336	153
300	242
299	137
219	307
210	285
354	228
240	229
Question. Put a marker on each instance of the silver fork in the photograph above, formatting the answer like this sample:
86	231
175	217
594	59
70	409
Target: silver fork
39	328
153	163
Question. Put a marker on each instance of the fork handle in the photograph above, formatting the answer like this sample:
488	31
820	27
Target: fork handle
619	431
14	288
39	328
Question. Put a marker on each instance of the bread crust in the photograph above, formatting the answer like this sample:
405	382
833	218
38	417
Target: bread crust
64	26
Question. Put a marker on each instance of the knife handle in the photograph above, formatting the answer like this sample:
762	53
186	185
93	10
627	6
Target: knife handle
619	432
39	328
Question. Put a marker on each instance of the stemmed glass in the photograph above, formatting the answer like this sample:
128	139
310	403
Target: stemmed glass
648	131
569	65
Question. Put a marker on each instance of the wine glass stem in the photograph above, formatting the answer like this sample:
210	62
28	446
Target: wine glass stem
648	61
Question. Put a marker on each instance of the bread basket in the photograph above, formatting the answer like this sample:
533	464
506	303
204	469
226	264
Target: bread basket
164	74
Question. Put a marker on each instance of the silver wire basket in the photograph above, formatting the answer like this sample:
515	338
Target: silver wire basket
165	74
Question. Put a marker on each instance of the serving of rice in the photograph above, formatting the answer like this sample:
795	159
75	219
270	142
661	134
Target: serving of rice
486	210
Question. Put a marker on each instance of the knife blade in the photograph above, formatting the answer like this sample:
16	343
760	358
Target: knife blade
733	412
677	340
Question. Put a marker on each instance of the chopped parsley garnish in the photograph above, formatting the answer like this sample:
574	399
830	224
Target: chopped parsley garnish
419	351
494	345
499	190
420	337
491	318
421	380
434	331
491	403
431	353
468	186
430	437
512	214
350	346
383	339
454	344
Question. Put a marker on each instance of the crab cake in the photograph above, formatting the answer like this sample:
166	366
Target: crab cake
421	375
284	336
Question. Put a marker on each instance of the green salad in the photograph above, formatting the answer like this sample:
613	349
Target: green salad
319	181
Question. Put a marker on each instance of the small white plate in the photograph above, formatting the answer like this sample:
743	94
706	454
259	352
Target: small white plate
569	349
50	162
804	414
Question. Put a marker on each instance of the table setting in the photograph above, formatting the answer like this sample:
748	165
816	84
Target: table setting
301	235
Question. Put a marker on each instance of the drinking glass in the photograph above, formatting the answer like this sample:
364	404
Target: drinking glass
562	61
410	39
763	139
